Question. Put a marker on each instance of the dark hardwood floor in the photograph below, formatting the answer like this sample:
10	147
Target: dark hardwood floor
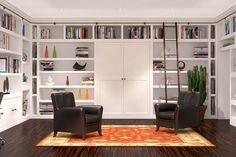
21	141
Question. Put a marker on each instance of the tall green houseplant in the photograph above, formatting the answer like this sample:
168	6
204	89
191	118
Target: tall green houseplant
197	82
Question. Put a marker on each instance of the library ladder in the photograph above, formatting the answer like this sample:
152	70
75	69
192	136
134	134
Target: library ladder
176	55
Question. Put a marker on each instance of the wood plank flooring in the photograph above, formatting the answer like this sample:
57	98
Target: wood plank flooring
21	141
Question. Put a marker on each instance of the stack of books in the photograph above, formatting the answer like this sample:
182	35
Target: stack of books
4	41
158	33
73	32
46	109
8	21
106	32
200	52
45	33
139	32
82	52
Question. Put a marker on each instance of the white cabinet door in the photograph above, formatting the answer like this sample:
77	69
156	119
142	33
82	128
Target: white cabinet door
111	96
109	61
136	97
136	61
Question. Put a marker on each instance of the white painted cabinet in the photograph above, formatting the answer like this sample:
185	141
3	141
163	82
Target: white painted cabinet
122	72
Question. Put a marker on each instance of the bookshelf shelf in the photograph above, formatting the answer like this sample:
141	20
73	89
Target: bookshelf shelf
66	72
169	72
170	86
68	59
65	86
9	52
186	59
10	74
77	101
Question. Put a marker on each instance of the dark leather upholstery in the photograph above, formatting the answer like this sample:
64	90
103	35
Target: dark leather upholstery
184	114
69	118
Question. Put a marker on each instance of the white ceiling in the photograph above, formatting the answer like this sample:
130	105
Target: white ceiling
123	8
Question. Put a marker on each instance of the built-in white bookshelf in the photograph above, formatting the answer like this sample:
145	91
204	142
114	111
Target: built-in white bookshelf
15	44
189	43
227	48
66	38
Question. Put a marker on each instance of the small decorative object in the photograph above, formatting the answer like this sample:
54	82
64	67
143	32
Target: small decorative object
67	81
24	57
87	94
169	53
46	55
88	81
47	65
158	65
79	67
25	78
54	54
50	81
79	96
181	65
6	86
82	52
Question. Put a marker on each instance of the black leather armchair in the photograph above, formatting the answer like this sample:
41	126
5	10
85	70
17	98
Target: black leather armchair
69	118
1	96
184	114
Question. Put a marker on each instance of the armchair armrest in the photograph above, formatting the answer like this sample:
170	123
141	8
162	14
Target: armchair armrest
70	113
165	107
92	109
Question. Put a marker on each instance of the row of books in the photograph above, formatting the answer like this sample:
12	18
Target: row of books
230	25
4	41
106	32
10	65
45	33
139	32
76	32
200	52
8	21
158	33
191	33
34	32
34	50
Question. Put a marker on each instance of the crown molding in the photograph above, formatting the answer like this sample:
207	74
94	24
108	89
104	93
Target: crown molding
118	19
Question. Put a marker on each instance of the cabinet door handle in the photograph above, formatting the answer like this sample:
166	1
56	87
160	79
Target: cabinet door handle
124	78
1	113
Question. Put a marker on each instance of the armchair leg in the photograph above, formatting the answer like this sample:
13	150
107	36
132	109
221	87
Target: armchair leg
157	126
176	131
100	132
55	134
83	136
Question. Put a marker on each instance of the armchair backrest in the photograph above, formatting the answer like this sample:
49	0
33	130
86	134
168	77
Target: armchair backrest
1	96
62	100
189	98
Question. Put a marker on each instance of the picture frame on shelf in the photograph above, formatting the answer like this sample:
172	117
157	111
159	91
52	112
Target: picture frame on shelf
3	64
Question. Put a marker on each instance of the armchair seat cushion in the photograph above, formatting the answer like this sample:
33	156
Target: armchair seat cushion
169	115
91	118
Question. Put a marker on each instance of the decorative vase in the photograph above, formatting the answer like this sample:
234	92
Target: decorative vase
202	112
67	81
46	55
87	95
79	96
6	86
54	54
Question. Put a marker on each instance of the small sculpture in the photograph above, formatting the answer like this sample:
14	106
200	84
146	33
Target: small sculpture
79	67
6	86
67	81
50	81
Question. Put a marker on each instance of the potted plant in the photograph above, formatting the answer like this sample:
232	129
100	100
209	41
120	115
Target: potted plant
197	83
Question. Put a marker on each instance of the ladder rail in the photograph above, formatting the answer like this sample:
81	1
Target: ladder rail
164	51
177	57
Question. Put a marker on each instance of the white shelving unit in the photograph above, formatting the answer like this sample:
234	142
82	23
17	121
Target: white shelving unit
12	108
66	57
227	48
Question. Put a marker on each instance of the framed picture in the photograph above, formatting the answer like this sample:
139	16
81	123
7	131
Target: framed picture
3	64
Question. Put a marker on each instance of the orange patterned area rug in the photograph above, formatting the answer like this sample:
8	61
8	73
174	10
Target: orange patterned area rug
130	135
